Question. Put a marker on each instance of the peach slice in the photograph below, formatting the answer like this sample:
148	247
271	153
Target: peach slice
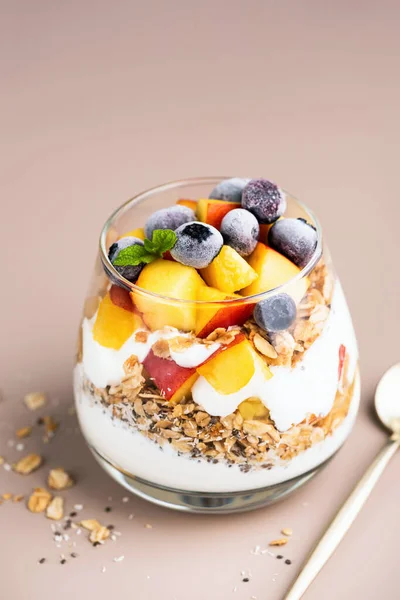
230	370
175	281
208	318
253	408
273	270
114	325
120	297
213	211
228	271
139	233
189	203
173	381
264	230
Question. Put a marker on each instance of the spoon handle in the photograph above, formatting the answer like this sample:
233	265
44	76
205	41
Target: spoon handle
342	521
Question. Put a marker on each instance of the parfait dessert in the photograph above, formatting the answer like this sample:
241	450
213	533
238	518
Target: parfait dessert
217	363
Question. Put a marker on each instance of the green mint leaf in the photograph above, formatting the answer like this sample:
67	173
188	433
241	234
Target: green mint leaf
149	246
163	240
133	256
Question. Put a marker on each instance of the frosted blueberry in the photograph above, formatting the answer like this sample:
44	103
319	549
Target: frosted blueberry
240	230
197	244
275	313
264	199
131	273
229	189
294	238
168	218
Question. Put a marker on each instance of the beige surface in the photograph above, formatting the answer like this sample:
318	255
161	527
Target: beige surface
101	100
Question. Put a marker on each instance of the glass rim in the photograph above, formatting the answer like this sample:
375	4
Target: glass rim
176	184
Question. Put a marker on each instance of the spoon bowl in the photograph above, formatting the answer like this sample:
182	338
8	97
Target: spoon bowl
387	399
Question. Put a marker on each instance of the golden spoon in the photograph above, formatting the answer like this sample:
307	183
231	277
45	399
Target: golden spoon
387	406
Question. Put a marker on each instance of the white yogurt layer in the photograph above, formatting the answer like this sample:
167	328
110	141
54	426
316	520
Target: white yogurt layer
104	366
130	451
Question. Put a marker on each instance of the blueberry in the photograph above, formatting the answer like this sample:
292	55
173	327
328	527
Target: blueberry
229	189
294	238
168	218
131	273
264	199
197	244
240	230
275	313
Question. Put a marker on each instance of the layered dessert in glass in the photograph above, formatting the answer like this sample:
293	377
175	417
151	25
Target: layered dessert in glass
217	367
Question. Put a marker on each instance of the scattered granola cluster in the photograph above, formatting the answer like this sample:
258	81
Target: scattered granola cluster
48	501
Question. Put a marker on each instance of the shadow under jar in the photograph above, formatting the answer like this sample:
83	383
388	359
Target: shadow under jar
190	413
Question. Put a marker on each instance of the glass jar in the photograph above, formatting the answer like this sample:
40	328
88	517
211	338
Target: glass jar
188	403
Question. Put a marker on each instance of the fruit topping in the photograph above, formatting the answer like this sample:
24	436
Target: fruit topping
120	297
137	233
222	372
274	270
276	313
128	271
173	381
229	189
342	356
229	272
145	252
169	218
240	230
114	325
253	408
210	317
189	203
213	211
231	369
294	238
173	280
197	244
264	199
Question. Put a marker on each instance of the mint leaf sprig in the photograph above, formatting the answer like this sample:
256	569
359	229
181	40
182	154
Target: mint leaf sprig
161	241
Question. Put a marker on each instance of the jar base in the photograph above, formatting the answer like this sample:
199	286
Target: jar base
205	502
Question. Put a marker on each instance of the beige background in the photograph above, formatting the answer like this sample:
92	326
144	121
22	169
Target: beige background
100	100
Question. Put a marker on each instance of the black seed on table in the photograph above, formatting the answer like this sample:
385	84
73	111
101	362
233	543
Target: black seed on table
73	514
279	556
74	555
288	562
40	421
42	560
246	579
63	561
96	544
110	527
108	509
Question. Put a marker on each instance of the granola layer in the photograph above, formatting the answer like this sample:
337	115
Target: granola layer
251	444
